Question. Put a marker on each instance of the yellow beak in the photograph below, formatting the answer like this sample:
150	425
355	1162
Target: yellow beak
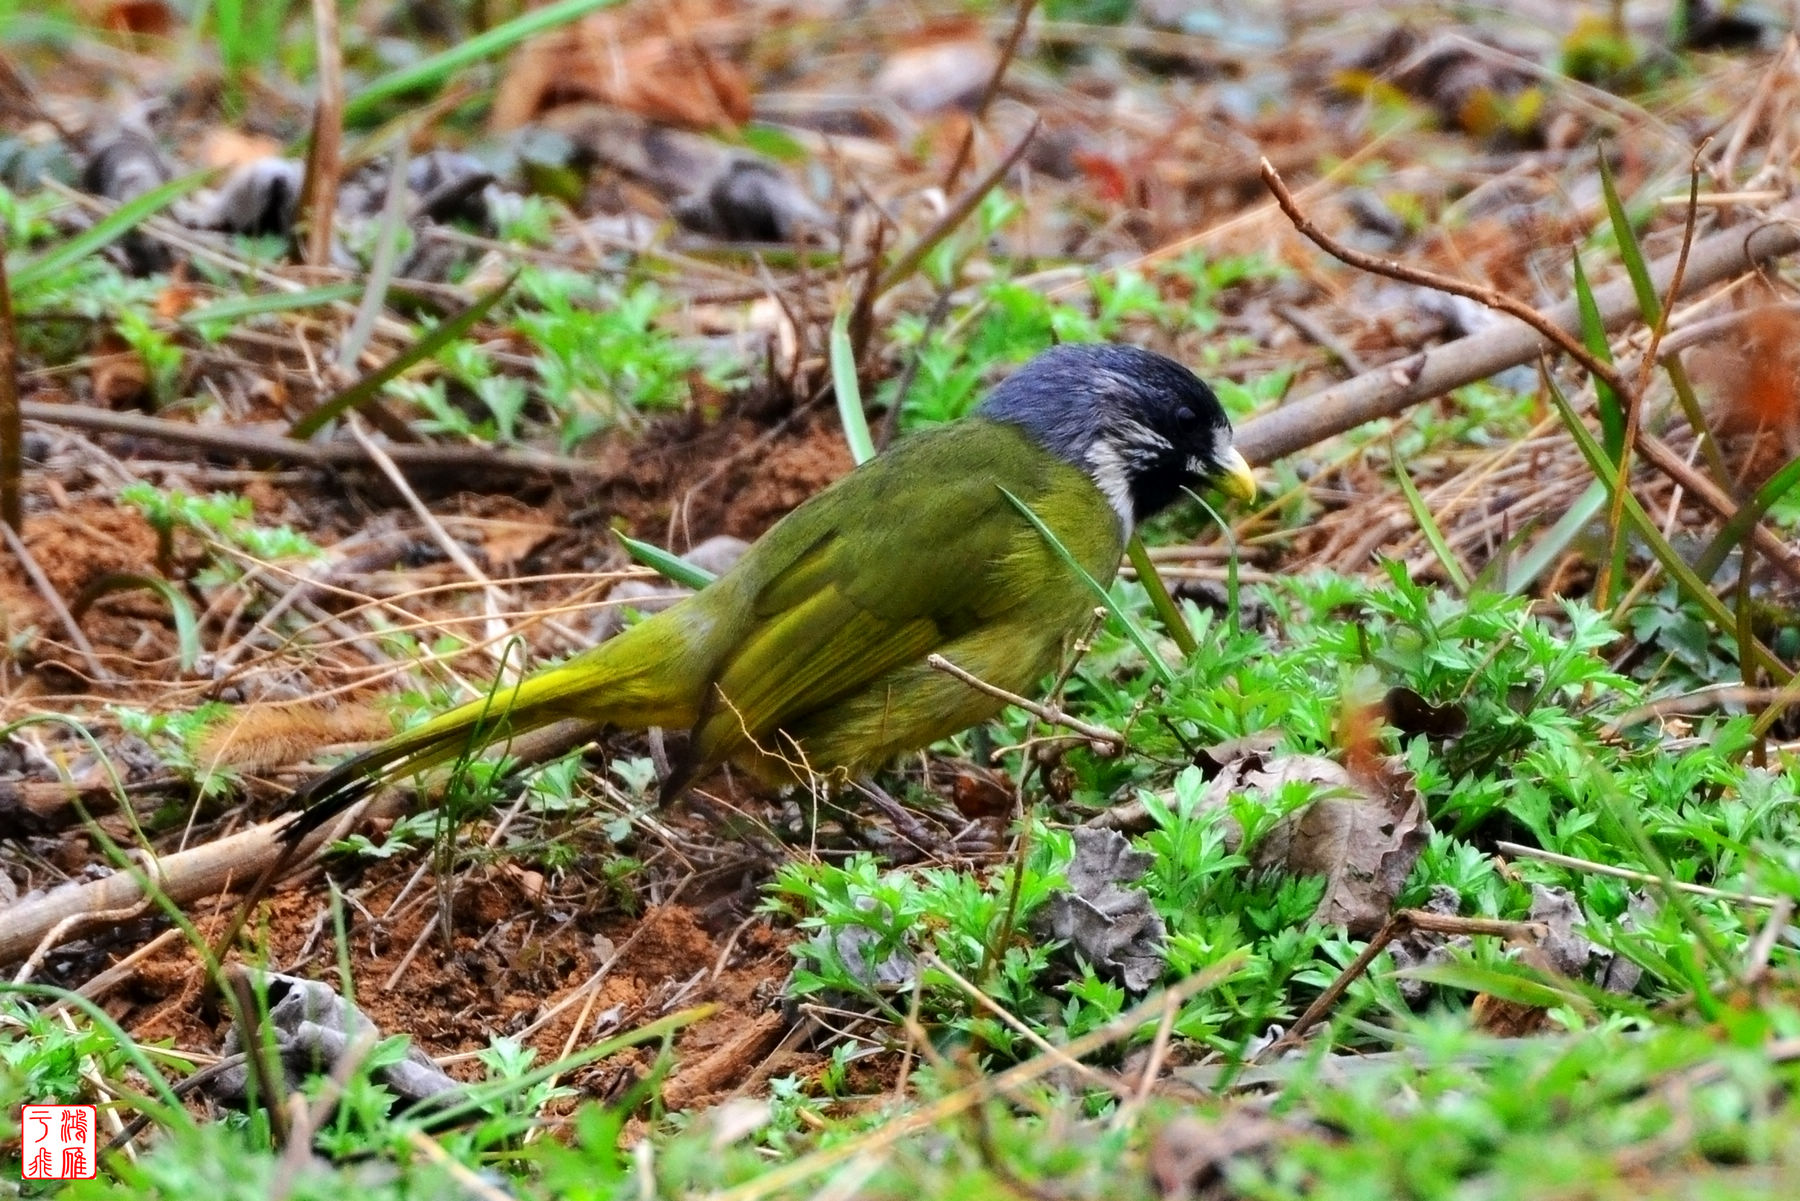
1237	480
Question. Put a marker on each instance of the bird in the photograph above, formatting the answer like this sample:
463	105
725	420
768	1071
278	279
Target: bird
808	657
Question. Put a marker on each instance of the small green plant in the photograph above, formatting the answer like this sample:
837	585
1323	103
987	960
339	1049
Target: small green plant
178	737
221	518
599	355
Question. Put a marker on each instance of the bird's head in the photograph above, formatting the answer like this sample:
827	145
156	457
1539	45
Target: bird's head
1140	424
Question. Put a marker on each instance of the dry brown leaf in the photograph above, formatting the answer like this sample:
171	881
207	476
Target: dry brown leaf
1362	834
117	373
224	147
666	74
948	67
178	297
141	18
1190	1156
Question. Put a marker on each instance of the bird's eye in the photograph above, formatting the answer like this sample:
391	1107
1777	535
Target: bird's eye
1185	418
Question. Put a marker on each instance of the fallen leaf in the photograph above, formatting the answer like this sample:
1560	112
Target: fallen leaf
140	18
1361	834
949	68
1190	1156
620	59
233	148
117	373
1111	926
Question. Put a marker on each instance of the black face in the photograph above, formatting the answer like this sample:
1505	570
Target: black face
1139	423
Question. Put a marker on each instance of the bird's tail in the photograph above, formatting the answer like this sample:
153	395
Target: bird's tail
623	682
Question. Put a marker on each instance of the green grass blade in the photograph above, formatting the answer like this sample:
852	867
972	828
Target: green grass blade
128	216
1733	532
672	567
849	392
1672	562
1536	561
1232	590
1173	622
1137	636
1630	251
1428	526
441	335
187	626
1593	335
381	263
244	307
1614	426
438	67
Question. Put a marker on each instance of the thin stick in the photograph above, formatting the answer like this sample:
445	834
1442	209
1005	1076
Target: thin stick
1493	298
41	582
1392	388
268	448
1031	1036
1636	877
1007	52
1405	921
496	601
12	434
324	156
1406	374
1106	740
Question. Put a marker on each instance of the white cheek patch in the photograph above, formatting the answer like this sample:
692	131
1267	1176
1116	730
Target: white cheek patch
1107	467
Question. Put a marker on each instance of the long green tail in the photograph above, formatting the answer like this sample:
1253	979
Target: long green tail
629	682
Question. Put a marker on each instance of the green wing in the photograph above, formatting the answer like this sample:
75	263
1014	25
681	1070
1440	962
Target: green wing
842	602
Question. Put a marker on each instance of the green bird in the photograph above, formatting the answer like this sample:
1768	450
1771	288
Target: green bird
808	657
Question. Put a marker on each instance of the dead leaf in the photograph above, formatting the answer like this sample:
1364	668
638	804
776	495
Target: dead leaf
948	68
1113	927
1189	1157
752	200
138	18
310	1028
1361	836
117	373
622	60
1419	948
224	147
1211	760
979	792
1563	952
1412	714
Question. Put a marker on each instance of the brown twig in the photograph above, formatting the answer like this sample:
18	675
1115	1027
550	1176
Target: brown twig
1312	419
12	430
1636	877
913	255
469	462
1492	298
1007	52
1394	387
1105	740
1403	922
324	155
